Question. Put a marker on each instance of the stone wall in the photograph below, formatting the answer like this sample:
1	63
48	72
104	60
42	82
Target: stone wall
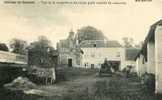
151	57
158	58
141	65
9	57
97	56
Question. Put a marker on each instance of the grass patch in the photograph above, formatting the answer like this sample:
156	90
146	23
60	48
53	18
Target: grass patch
121	89
68	73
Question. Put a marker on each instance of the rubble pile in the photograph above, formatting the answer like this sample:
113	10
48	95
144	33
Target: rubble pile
26	86
20	83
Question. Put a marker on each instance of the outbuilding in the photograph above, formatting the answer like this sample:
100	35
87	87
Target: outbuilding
149	58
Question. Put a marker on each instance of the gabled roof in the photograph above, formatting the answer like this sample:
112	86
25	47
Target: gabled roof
131	53
99	44
152	31
149	37
64	43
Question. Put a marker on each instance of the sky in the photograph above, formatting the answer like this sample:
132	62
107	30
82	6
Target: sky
28	21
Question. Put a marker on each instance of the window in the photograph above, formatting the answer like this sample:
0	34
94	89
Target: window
118	54
94	45
92	66
85	64
143	60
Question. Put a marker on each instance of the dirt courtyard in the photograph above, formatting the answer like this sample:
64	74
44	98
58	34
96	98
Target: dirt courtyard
87	85
72	85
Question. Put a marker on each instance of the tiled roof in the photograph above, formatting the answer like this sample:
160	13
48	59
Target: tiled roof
131	53
149	37
99	43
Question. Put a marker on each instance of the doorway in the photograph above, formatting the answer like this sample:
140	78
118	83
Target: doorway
70	62
92	66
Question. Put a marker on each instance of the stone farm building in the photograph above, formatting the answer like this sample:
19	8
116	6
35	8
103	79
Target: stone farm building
96	51
92	53
149	58
69	51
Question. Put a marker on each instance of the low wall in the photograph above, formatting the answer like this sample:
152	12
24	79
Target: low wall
8	57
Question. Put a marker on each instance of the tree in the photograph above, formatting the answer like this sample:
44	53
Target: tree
139	45
18	46
3	47
89	33
128	42
40	52
42	44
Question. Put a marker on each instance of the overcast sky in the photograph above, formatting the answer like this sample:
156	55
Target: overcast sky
55	21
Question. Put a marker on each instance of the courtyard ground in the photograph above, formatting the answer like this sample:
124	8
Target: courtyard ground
85	84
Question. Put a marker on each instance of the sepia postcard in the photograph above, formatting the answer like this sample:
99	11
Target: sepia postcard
80	49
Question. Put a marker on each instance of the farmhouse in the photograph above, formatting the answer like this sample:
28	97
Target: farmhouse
149	59
96	51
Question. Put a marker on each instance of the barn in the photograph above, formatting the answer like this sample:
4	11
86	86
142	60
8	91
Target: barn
149	59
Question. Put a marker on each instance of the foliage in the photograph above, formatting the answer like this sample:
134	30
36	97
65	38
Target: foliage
64	73
3	47
139	45
18	46
128	42
40	53
120	89
89	33
114	88
7	74
149	81
42	44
